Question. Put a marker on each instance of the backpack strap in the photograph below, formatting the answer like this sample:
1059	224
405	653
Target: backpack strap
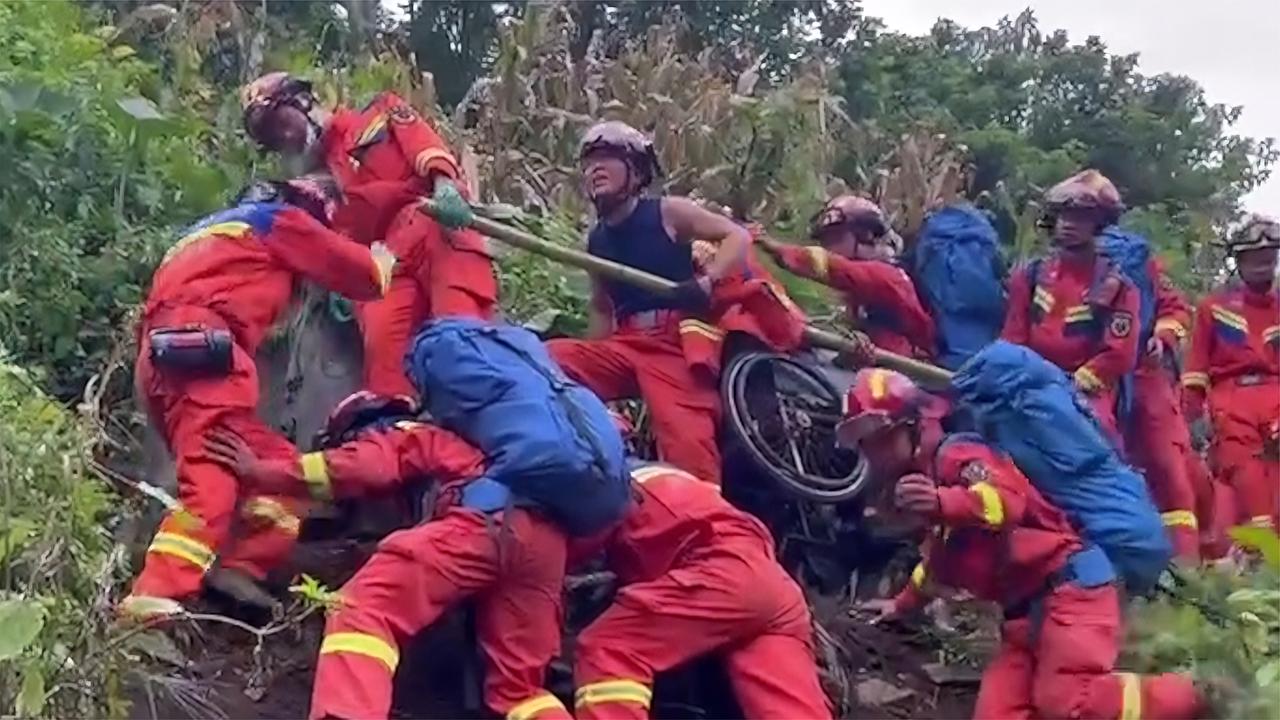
1033	282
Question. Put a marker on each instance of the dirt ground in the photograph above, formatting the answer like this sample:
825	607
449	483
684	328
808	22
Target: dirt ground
226	678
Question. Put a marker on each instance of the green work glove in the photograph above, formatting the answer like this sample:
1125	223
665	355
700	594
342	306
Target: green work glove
451	209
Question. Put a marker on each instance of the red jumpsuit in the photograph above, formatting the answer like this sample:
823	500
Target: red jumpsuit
1095	338
881	298
1235	361
514	567
1157	435
384	157
998	538
237	276
698	576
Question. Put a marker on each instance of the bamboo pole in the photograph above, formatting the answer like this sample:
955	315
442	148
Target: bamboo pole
917	370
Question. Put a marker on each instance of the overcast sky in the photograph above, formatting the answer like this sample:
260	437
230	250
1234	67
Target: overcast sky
1231	47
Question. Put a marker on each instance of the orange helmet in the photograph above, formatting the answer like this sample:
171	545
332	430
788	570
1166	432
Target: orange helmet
1086	190
880	399
260	96
852	210
1257	233
634	146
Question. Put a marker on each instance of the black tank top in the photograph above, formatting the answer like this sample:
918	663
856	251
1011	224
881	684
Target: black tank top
642	242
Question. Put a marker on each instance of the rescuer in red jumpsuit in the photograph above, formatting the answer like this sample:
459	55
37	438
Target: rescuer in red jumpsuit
512	564
1079	312
1156	434
697	576
642	342
992	534
385	157
854	257
1234	365
216	294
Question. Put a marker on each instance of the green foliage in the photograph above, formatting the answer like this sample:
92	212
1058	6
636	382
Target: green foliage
1223	627
1032	108
57	562
96	169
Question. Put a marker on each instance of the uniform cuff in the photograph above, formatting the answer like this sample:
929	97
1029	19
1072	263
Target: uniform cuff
1196	380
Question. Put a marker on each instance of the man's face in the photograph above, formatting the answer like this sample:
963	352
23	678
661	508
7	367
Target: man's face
889	452
282	128
1258	267
604	174
1074	228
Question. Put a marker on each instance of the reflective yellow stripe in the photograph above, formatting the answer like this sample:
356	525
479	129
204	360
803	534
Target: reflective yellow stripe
609	691
1227	317
1087	379
1262	521
182	547
270	510
1131	697
315	473
374	127
359	643
1195	379
879	381
818	259
917	575
1271	334
1044	299
529	709
697	327
425	157
1079	313
1179	518
992	507
1172	326
229	229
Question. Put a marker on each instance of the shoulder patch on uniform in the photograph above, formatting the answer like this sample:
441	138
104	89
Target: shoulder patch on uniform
1121	324
974	472
402	114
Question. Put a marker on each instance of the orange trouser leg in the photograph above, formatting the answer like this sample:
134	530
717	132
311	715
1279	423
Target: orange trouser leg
1103	404
1005	691
1158	443
1077	644
738	601
685	408
415	576
186	411
775	676
1242	418
386	326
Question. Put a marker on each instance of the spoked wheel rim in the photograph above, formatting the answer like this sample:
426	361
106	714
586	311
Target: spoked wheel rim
784	413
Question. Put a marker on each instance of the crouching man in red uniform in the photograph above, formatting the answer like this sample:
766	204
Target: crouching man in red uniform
854	256
994	535
212	300
640	338
698	576
513	564
1234	365
1075	308
385	157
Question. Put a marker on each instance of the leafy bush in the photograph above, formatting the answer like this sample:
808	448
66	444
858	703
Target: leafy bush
57	562
1222	625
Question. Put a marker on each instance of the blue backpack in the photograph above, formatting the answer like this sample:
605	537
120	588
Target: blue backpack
1131	253
959	275
1029	408
548	440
